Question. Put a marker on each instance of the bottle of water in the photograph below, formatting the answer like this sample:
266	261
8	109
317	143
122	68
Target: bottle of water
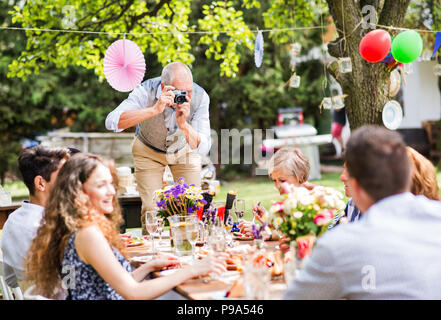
5	197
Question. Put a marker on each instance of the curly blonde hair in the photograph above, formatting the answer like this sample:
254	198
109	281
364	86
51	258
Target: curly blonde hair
68	210
423	175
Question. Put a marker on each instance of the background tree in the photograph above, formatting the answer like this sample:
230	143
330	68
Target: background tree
73	92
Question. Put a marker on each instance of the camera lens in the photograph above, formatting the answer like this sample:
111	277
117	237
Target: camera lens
180	99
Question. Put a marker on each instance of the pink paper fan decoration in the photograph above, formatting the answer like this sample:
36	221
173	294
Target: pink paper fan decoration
124	65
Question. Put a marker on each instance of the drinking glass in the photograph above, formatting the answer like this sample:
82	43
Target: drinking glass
151	223
160	229
5	197
256	281
217	241
290	265
191	229
239	208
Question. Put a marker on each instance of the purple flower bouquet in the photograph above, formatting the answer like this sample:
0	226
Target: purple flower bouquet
179	198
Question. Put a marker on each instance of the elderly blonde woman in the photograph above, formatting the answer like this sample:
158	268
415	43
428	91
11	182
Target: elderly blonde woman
287	166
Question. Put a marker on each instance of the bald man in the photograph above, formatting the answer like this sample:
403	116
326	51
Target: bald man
168	132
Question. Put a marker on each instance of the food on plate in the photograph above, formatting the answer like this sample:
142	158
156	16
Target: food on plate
134	241
240	236
234	262
272	260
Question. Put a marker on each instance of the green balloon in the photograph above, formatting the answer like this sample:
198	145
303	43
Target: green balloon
407	46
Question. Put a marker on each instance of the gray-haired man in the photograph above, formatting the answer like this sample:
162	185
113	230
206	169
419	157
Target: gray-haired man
169	132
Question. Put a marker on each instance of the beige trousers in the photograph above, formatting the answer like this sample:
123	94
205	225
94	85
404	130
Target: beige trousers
149	171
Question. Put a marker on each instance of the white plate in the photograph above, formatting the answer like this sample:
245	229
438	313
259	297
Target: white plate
392	115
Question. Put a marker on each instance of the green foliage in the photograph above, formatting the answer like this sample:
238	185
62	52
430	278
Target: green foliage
220	15
166	23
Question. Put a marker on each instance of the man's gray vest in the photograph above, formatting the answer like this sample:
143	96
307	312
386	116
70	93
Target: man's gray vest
153	132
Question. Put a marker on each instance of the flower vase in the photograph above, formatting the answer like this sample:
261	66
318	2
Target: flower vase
178	236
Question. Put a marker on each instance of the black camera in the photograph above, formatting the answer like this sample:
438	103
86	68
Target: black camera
180	96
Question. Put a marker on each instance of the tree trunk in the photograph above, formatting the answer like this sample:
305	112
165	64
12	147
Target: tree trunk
367	86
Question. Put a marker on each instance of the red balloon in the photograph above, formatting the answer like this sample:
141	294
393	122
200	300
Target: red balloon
375	45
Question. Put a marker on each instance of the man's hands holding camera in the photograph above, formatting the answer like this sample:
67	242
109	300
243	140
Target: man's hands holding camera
168	98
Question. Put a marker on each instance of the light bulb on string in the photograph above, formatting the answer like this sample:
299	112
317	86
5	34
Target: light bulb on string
437	70
345	65
294	81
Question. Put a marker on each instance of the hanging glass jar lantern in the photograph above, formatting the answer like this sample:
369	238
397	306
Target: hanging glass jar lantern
426	55
294	82
295	48
437	70
327	103
345	65
337	102
408	68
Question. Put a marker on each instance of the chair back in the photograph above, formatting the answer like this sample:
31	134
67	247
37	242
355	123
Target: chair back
8	292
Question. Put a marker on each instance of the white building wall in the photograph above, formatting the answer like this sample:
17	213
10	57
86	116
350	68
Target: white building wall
421	96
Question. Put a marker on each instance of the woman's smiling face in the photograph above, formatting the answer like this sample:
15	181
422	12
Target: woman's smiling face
100	189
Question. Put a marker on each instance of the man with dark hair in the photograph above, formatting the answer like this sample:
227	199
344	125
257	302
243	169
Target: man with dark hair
393	251
39	168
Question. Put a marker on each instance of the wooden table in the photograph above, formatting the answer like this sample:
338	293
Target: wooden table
195	289
6	211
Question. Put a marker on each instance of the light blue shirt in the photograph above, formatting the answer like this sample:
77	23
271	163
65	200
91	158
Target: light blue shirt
393	252
17	236
138	100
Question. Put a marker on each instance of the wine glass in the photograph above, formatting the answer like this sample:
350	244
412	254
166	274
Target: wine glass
151	223
160	222
239	208
191	229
